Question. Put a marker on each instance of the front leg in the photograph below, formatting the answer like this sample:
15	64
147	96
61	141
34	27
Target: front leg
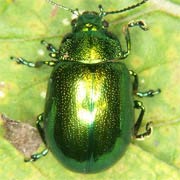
36	64
138	23
54	53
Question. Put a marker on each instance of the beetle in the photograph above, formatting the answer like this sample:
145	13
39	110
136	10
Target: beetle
88	119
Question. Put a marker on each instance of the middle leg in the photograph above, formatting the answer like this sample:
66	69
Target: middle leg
149	93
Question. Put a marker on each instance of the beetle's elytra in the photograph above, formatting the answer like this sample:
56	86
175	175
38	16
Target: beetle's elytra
88	120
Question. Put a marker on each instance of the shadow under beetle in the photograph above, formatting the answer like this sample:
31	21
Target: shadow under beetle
88	120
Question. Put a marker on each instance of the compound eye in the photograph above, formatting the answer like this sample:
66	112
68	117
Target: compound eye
105	24
73	22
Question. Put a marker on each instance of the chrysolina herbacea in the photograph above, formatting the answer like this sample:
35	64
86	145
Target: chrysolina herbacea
88	120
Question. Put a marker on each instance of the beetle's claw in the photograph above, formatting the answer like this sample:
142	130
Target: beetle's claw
33	158
18	60
151	93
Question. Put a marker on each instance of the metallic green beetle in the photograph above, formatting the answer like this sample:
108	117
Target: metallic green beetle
88	120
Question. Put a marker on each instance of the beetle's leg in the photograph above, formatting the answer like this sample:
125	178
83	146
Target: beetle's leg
40	129
138	23
149	93
139	105
53	51
36	156
36	64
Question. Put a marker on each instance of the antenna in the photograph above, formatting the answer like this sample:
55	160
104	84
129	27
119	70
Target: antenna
103	13
76	12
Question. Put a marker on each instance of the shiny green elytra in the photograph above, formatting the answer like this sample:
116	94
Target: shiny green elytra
88	120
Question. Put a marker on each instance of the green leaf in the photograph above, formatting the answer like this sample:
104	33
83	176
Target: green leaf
155	57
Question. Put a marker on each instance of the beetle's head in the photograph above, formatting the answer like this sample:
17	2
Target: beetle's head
89	21
92	21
